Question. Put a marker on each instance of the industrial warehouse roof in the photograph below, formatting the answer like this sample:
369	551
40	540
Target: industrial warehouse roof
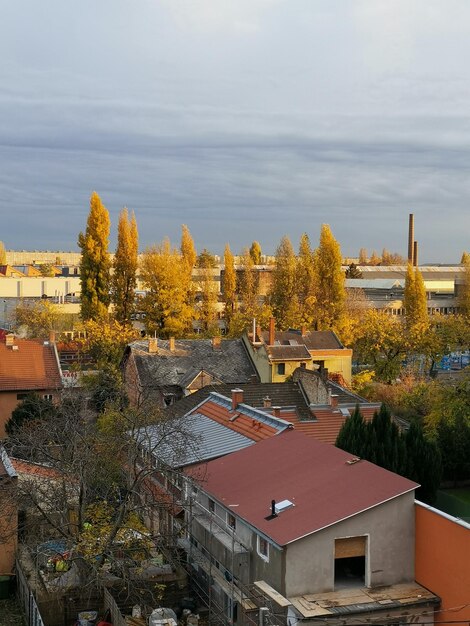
325	484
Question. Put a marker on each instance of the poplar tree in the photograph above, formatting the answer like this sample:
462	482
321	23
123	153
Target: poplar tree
255	252
95	263
306	281
207	295
188	249
416	309
330	282
229	283
464	291
283	297
164	275
124	280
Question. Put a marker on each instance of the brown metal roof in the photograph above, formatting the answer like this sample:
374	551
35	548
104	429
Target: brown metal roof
312	339
315	476
28	365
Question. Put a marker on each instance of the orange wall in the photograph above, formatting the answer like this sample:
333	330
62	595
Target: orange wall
443	560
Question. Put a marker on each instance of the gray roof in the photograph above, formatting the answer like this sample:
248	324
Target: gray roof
201	439
228	363
312	339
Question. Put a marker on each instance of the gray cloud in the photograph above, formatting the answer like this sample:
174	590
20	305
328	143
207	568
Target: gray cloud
248	123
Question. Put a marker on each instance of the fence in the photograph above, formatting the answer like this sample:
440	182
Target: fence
27	600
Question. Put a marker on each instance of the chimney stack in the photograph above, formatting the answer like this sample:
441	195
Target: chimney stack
267	402
415	254
216	342
172	344
303	331
153	345
277	411
272	331
9	339
273	508
52	336
237	398
334	401
411	237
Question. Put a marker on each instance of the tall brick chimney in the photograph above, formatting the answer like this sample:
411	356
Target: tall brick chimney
216	342
172	344
153	345
272	331
411	237
277	411
415	254
237	398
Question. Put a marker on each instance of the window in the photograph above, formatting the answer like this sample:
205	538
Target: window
48	396
211	506
281	369
263	548
231	521
21	396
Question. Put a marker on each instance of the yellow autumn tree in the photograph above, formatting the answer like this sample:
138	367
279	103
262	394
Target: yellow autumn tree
124	279
330	282
164	275
95	263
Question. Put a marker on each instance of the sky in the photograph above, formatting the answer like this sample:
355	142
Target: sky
244	119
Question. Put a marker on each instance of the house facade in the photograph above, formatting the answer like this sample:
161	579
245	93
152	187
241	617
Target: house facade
307	531
26	366
277	354
8	514
164	371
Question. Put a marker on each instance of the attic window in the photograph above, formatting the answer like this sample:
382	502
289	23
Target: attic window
345	412
283	505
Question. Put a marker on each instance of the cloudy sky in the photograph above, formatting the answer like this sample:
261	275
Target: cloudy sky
244	119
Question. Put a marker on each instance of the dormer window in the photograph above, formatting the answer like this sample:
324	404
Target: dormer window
281	369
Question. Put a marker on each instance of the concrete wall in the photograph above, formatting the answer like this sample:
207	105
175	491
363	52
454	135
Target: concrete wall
37	286
390	530
443	561
260	359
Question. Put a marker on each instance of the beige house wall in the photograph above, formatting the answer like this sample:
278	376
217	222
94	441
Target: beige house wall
390	545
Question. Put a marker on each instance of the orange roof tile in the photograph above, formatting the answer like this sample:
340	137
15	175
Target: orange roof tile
35	469
328	422
235	420
29	365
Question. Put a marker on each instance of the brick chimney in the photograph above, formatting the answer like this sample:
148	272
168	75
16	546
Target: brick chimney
9	339
172	344
334	401
237	398
272	331
153	345
216	342
52	336
277	411
267	402
303	331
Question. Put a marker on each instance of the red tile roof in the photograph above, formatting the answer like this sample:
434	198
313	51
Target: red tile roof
328	421
29	468
252	428
31	366
316	477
